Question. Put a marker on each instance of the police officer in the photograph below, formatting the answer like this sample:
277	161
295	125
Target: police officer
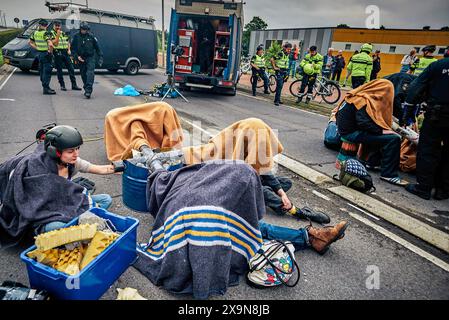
258	70
432	162
280	65
41	41
361	65
62	55
423	62
311	67
84	47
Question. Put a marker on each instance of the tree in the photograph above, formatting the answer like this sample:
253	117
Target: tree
426	28
343	26
256	23
445	28
382	27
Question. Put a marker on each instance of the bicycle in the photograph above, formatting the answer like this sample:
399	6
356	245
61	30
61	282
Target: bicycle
272	84
271	81
328	90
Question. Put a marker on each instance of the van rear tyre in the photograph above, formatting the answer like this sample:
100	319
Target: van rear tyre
132	68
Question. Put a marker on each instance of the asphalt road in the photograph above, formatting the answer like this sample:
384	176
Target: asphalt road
340	274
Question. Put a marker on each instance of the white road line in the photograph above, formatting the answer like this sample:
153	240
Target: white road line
322	196
5	99
363	211
436	261
3	84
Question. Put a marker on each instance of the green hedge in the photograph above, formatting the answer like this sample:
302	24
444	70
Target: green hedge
5	37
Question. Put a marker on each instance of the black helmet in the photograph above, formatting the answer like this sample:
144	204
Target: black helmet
60	138
84	26
43	22
430	48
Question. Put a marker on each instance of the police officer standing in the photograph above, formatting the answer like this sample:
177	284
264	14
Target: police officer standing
84	47
432	161
280	65
62	55
420	64
311	67
361	65
41	41
258	70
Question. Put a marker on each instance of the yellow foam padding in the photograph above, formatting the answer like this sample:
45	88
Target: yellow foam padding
48	257
69	261
56	238
98	244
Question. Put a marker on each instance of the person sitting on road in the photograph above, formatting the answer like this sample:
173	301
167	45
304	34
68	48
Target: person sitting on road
366	116
332	138
275	197
42	181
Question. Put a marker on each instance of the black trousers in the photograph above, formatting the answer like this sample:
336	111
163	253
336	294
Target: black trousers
280	74
336	74
272	199
45	68
87	70
309	81
255	75
62	60
432	159
357	81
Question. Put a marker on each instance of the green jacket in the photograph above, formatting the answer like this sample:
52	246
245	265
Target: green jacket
361	65
317	60
422	63
63	40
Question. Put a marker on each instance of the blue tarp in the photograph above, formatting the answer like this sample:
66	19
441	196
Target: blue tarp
127	90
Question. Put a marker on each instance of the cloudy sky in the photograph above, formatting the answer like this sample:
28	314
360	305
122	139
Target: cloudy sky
277	13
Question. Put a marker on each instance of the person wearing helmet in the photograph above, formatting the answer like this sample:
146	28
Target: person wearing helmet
41	40
361	65
280	65
432	159
421	63
311	66
258	70
86	50
62	55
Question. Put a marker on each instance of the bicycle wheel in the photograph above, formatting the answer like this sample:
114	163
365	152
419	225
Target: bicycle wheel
259	82
294	88
331	92
272	83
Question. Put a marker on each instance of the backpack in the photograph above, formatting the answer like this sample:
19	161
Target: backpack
354	175
273	265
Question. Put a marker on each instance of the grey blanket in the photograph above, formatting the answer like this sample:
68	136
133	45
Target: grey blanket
34	194
206	227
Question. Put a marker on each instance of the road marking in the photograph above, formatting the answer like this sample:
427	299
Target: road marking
5	99
363	211
302	170
436	261
3	84
320	195
412	225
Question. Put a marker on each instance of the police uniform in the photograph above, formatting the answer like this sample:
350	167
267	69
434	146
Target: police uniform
45	57
422	63
62	59
282	61
259	61
432	163
360	66
310	79
86	46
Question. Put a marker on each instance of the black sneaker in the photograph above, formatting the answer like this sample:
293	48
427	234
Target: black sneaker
254	94
276	104
49	91
63	88
87	95
266	92
416	190
312	215
76	88
280	102
441	194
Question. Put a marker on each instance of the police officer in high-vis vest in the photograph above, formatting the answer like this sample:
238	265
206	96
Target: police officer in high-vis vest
361	65
421	63
258	70
311	67
41	41
62	55
85	50
280	65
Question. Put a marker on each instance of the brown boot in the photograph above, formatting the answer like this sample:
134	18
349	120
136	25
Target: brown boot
321	238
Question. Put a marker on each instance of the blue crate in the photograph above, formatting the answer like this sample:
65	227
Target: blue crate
94	280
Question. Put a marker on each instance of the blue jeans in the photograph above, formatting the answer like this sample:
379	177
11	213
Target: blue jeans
292	68
298	237
272	199
332	138
104	201
280	83
389	145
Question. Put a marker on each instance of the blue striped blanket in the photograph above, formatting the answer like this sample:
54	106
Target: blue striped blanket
206	227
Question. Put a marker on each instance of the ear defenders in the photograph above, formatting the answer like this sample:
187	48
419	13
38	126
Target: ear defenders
52	151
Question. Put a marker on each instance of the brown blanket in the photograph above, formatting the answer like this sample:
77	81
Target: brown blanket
155	124
251	140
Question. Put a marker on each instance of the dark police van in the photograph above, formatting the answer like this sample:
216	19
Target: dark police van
204	44
128	42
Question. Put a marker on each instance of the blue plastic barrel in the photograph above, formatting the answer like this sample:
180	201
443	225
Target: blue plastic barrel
134	185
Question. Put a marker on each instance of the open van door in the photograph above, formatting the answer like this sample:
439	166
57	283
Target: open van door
172	39
232	71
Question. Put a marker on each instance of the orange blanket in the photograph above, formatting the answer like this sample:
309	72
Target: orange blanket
251	140
155	124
